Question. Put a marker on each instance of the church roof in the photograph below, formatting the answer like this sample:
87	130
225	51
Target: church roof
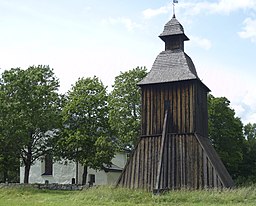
112	168
170	66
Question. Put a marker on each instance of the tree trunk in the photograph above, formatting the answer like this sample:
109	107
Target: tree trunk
77	172
5	168
26	174
27	164
84	175
5	178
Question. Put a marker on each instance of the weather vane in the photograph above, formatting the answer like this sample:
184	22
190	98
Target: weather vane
173	3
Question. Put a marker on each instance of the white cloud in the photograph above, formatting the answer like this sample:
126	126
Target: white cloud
249	30
244	109
230	82
195	8
149	13
222	6
128	23
201	42
228	6
239	109
251	118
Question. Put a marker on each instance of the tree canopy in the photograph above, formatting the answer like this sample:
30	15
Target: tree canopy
248	166
31	110
226	133
125	107
9	149
85	137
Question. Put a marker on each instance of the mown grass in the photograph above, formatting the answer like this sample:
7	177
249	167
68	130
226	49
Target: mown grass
114	197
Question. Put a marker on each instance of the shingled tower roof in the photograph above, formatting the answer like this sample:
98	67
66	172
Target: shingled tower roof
173	64
171	28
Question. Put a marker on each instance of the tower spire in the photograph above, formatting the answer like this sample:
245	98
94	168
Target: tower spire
173	7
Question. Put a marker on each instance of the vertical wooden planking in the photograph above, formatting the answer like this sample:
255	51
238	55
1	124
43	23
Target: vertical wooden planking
137	169
130	172
156	160
201	112
196	163
183	110
143	124
185	161
214	178
126	177
132	166
152	110
159	153
144	108
179	109
200	156
173	159
218	182
155	111
187	112
166	162
170	123
205	169
205	121
147	121
193	162
192	108
196	107
209	174
141	164
177	177
169	159
147	157
182	160
188	161
152	163
158	115
162	108
178	162
174	111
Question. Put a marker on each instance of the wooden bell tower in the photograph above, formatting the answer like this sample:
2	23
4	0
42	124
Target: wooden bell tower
174	150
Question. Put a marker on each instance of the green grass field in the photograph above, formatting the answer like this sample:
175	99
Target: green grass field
114	197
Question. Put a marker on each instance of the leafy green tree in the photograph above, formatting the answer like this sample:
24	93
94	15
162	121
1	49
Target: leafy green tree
125	107
226	133
248	166
85	137
250	133
9	155
32	111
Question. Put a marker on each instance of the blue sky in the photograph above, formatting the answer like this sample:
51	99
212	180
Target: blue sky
82	38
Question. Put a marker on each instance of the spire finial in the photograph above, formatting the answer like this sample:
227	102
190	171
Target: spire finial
173	3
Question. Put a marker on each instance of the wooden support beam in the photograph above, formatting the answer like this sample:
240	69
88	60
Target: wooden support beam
159	168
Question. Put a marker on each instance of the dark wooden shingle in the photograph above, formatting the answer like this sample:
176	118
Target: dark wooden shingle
171	66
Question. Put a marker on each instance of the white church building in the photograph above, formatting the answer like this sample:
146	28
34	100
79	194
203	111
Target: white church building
46	171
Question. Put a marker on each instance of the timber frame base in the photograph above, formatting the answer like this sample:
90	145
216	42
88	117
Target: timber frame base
174	161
